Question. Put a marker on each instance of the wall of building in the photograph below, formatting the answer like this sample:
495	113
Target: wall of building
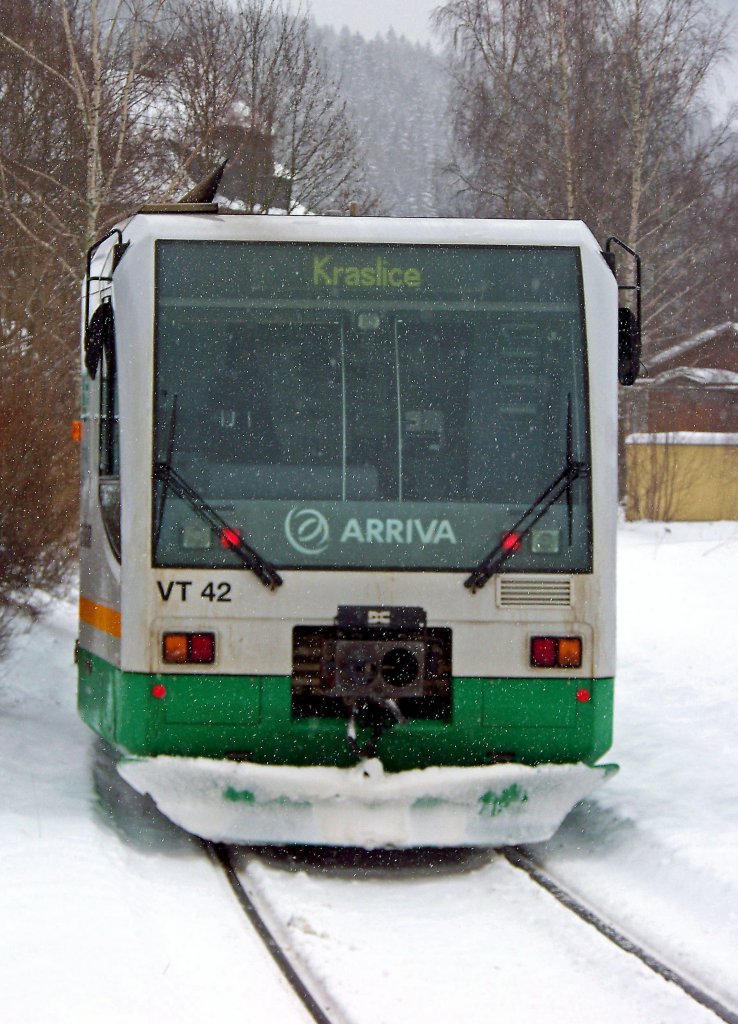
684	476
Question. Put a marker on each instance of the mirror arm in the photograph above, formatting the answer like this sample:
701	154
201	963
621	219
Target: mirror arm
118	251
628	287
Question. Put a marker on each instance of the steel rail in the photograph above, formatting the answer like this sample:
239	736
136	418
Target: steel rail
520	858
220	854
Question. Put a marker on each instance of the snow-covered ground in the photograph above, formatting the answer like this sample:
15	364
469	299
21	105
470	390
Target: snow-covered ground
466	940
110	914
106	915
658	848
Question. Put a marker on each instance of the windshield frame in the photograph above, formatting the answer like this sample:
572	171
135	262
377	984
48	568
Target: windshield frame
486	540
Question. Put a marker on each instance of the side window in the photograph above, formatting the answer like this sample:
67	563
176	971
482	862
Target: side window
109	488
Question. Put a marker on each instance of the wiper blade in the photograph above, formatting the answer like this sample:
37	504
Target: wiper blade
173	481
573	468
492	562
159	511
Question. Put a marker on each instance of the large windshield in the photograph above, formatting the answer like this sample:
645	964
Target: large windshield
370	406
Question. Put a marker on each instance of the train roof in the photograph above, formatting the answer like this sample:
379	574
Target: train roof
186	226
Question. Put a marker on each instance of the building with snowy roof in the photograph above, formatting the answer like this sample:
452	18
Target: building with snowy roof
682	431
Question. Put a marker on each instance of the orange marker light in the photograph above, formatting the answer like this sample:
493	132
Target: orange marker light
174	648
570	652
77	430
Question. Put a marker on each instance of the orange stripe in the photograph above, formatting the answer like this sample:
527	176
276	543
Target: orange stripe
105	619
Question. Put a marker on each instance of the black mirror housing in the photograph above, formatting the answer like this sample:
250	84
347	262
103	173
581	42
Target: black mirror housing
629	323
629	346
99	336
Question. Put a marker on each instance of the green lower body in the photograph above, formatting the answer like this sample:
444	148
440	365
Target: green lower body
529	721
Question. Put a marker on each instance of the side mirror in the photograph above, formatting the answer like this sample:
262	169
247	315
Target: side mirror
100	329
629	323
99	336
629	346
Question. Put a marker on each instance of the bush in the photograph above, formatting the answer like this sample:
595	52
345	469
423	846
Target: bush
38	492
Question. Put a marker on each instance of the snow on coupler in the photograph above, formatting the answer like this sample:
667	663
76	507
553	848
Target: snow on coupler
364	806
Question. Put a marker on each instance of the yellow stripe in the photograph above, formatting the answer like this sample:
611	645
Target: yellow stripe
105	619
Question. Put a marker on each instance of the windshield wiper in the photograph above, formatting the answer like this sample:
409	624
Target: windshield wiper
573	469
172	480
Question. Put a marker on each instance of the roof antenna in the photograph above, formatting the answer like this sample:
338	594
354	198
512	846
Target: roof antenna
204	191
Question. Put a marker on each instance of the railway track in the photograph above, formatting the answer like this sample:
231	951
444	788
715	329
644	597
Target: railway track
522	859
325	1009
307	989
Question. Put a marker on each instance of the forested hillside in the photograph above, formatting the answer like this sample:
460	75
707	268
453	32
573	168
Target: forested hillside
397	94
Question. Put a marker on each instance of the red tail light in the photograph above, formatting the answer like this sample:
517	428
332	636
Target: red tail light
556	651
543	651
202	648
188	648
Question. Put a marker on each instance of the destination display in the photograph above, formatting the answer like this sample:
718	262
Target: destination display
197	271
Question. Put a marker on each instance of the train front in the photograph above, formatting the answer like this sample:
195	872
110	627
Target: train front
354	481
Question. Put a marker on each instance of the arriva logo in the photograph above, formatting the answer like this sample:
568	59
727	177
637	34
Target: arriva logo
398	531
307	530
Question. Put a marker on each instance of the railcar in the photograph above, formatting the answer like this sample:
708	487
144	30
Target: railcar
348	522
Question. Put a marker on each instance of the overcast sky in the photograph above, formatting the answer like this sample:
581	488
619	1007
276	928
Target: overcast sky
408	17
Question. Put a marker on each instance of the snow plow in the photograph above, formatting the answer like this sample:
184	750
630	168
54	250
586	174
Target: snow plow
363	806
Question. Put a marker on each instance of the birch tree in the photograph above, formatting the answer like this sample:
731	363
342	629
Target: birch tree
595	109
89	59
75	111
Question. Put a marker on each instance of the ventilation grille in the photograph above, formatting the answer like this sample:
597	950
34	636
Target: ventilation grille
527	593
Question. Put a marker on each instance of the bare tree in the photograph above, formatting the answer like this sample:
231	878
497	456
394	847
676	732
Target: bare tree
88	59
656	477
38	486
75	113
198	74
247	82
594	109
314	143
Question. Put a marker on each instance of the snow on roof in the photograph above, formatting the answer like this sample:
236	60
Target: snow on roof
693	342
696	374
695	437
